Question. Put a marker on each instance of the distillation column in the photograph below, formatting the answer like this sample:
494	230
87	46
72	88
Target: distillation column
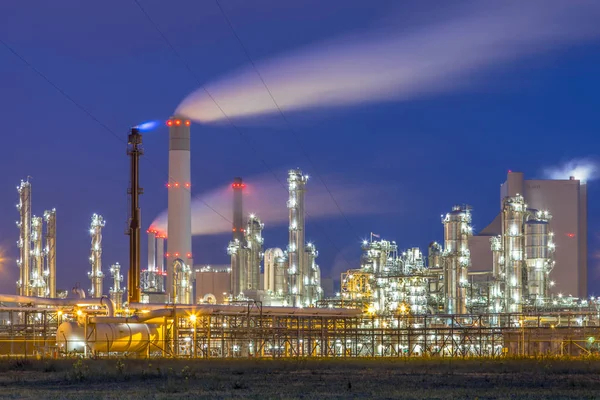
498	272
312	283
24	243
38	282
238	274
513	217
179	230
297	265
116	292
96	275
457	230
270	257
539	249
50	251
254	252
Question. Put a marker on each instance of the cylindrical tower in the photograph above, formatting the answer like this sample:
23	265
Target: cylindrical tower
179	235
151	250
182	285
134	151
254	244
160	255
498	272
457	230
38	282
238	223
513	216
297	265
50	251
539	250
116	292
271	256
24	243
282	283
96	275
237	274
312	283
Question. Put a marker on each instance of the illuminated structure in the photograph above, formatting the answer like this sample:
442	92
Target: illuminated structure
152	279
456	256
24	243
38	281
96	276
304	275
246	256
274	272
116	292
566	199
179	234
50	252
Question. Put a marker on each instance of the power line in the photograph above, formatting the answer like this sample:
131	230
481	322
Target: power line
227	118
289	125
89	114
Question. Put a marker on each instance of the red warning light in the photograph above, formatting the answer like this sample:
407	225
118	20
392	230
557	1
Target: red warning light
176	254
176	184
189	255
177	122
169	185
187	185
233	229
187	123
571	235
167	255
169	123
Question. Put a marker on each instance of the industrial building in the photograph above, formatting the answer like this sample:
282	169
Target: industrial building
566	200
504	290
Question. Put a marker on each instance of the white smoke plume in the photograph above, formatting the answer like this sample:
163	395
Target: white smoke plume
584	169
266	197
394	64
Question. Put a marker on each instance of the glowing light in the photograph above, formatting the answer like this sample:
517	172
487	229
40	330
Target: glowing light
177	122
571	235
193	318
169	123
79	313
148	126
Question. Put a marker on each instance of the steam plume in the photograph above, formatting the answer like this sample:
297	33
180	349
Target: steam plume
389	64
584	169
266	198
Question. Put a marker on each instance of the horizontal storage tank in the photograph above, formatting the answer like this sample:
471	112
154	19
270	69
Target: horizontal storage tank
103	338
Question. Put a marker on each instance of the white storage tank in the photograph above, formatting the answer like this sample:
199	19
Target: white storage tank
102	338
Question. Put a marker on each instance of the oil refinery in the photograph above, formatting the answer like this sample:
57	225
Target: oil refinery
517	287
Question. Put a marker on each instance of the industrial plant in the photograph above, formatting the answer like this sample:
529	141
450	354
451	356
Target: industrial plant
517	287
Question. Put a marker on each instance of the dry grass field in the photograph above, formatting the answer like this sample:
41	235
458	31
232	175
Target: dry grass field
300	379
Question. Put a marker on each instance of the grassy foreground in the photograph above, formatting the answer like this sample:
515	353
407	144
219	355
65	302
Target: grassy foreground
306	379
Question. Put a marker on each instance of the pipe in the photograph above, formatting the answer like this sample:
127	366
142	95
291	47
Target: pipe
103	301
136	319
267	310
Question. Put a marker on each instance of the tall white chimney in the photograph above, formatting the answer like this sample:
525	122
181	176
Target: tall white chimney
179	230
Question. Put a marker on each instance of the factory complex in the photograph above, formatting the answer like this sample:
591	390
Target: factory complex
517	287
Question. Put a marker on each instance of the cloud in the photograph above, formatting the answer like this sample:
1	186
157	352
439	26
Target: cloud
266	197
584	169
392	64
